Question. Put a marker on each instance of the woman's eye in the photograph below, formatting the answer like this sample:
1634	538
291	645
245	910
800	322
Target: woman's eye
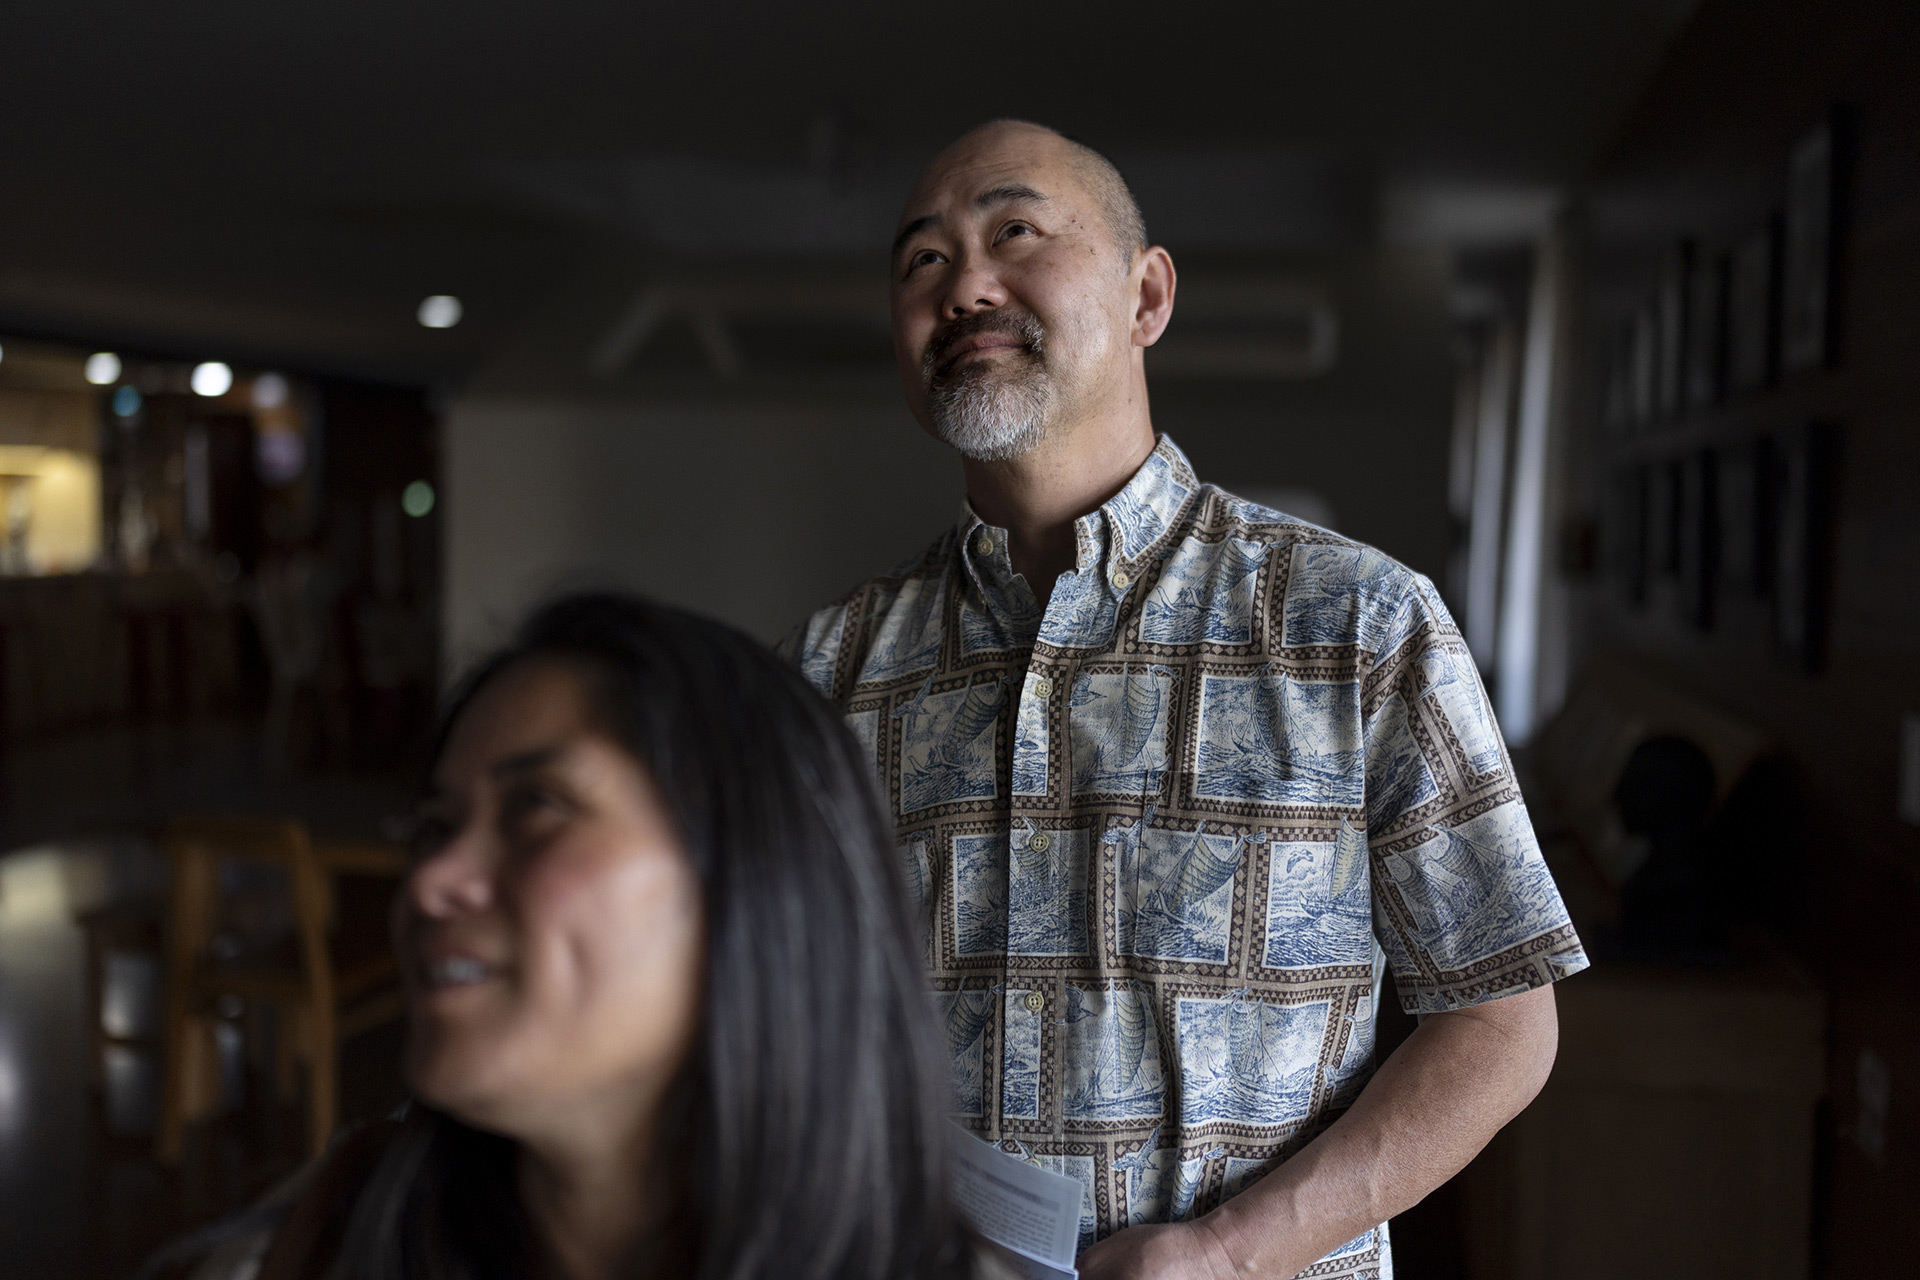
528	811
427	834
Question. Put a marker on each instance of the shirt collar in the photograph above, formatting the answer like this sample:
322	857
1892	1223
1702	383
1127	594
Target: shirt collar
1125	534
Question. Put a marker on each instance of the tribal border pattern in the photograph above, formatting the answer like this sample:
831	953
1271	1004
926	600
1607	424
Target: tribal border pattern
1165	837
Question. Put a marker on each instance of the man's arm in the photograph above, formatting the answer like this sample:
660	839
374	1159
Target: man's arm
1429	1110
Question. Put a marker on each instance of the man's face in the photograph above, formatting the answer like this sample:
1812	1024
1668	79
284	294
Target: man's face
1012	302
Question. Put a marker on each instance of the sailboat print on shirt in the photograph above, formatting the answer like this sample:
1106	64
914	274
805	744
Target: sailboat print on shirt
1118	726
1175	896
1112	1054
1271	738
947	745
1247	1061
1204	593
1320	903
1474	888
967	1014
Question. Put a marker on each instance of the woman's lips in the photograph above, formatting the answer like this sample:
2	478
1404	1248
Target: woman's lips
443	973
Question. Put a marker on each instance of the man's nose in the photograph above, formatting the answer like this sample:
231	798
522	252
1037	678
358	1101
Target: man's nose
973	286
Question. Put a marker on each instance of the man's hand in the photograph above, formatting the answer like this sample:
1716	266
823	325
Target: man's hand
1170	1251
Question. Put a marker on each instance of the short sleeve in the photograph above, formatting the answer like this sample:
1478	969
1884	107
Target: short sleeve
814	646
1463	904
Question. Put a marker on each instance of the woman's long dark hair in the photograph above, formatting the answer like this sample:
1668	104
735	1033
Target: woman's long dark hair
806	1131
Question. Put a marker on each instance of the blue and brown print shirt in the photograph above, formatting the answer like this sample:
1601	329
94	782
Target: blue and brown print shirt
1166	834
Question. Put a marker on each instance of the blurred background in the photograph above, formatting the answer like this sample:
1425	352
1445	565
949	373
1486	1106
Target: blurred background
332	336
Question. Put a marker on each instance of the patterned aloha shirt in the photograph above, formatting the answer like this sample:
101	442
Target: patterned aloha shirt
1165	835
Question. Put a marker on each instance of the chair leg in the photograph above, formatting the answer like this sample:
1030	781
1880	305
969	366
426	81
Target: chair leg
191	1083
286	1052
323	1082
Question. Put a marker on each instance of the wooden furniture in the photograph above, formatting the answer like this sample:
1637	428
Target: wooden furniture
128	927
323	996
1675	1136
1674	1139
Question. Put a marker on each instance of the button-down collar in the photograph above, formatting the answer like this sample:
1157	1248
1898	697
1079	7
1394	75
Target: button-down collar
1120	538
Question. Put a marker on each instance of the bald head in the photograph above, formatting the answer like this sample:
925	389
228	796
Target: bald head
1095	174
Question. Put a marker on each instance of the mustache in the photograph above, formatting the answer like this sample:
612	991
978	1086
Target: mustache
1017	324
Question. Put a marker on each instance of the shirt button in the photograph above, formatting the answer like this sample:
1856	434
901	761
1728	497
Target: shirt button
1040	842
1035	1002
1043	688
984	545
1120	579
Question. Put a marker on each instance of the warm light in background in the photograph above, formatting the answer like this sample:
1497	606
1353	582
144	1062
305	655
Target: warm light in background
417	498
103	368
212	379
50	504
441	311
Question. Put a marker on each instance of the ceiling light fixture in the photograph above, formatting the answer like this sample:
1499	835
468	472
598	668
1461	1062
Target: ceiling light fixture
269	391
441	311
212	379
103	368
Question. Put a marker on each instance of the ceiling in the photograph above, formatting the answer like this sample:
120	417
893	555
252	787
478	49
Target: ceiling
282	183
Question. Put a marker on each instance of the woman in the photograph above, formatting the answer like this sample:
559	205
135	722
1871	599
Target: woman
667	1015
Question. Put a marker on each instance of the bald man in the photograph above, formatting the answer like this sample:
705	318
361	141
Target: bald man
1176	778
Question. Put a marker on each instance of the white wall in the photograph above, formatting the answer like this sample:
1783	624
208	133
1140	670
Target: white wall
754	512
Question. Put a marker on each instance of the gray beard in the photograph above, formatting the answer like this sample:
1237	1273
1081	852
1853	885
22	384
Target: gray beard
989	416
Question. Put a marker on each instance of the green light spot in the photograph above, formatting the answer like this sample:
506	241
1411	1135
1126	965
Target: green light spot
417	498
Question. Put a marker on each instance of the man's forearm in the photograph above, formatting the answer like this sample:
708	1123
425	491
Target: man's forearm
1428	1110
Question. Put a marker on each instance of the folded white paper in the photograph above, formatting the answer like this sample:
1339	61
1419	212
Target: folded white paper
1030	1212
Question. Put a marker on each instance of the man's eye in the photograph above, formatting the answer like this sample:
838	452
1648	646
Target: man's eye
923	258
1013	229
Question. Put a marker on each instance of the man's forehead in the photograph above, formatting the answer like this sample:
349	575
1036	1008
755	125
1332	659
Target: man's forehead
1004	165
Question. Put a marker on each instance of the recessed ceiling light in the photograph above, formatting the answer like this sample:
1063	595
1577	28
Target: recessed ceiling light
441	311
212	379
103	368
269	391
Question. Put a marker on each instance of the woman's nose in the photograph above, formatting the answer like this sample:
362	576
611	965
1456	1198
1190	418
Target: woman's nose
454	879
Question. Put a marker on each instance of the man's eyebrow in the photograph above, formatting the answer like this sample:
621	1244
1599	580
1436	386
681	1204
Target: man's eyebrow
526	761
914	228
1007	192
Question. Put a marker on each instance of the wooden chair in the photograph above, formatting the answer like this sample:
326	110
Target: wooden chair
322	996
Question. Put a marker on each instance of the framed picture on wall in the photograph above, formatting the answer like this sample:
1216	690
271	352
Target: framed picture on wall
1706	329
1642	362
1806	327
1698	538
1802	503
1617	394
1670	312
1753	304
1663	518
1624	531
1740	500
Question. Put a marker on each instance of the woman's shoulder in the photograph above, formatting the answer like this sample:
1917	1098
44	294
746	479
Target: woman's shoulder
307	1239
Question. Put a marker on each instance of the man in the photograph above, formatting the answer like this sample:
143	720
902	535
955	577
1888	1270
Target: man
1176	777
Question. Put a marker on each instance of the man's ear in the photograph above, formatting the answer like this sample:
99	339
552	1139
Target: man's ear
1153	307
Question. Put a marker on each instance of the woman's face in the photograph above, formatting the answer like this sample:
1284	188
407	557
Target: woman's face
552	928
